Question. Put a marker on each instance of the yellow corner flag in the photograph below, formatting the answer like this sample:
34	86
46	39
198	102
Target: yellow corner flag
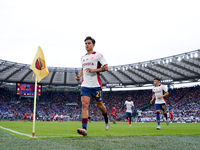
39	66
40	69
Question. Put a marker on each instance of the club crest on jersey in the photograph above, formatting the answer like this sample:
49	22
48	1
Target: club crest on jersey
40	64
92	58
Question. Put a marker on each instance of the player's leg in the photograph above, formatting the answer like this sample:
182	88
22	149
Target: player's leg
101	106
97	93
85	104
129	119
139	119
158	115
158	118
89	118
165	113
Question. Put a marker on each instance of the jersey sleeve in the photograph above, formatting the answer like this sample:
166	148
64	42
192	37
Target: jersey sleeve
164	88
153	90
132	104
101	59
125	103
81	61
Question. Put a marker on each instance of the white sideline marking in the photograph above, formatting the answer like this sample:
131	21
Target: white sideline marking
28	135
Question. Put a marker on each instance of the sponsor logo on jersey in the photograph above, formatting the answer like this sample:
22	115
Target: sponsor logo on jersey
88	64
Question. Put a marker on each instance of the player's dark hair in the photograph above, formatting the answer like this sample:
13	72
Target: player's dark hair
129	98
156	79
90	38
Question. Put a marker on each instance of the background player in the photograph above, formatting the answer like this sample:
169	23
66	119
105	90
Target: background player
171	116
114	115
159	94
25	117
89	118
31	117
139	112
56	117
129	105
61	118
53	116
91	87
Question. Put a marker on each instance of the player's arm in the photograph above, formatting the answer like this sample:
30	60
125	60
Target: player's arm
133	106
102	69
153	97
166	93
78	77
125	103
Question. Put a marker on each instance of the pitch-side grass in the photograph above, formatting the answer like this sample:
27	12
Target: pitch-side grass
62	135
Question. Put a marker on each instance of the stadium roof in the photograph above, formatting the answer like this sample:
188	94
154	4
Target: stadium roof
173	69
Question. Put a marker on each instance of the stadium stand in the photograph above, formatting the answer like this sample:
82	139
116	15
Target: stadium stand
184	102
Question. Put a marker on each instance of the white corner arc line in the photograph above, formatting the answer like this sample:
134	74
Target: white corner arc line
28	135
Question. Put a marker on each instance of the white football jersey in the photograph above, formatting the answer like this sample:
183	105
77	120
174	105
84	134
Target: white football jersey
159	91
129	105
139	112
94	61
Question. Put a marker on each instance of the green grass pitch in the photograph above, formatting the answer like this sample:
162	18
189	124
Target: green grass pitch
62	135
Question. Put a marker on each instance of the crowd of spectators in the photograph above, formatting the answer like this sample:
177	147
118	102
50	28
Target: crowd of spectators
183	102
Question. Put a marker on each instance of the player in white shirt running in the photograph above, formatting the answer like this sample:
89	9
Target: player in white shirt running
129	105
92	64
139	115
56	117
61	118
159	94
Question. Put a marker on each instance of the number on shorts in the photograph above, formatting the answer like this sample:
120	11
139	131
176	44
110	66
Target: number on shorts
98	93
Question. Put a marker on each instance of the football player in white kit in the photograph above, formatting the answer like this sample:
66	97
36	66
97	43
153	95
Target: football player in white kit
139	111
159	94
129	105
92	64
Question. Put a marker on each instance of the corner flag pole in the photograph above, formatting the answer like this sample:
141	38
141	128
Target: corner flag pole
34	109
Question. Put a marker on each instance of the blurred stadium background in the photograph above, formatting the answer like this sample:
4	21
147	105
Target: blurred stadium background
59	93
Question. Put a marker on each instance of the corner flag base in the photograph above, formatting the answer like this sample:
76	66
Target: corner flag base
33	134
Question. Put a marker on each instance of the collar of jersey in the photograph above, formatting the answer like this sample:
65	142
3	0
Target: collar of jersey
92	53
